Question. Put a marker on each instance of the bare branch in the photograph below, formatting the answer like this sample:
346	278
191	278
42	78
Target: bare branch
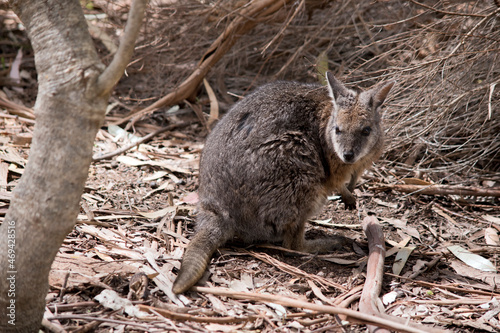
140	141
114	71
374	271
291	302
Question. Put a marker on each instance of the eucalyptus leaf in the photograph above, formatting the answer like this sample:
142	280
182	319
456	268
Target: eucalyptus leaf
471	259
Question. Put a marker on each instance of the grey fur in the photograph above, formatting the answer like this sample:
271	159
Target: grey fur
271	161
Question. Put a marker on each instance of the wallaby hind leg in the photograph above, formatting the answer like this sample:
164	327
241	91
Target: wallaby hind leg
326	244
197	256
294	239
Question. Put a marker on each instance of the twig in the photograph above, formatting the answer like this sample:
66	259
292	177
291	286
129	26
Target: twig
452	288
188	317
294	270
105	320
444	190
317	292
300	6
140	141
199	113
485	18
64	285
71	306
468	301
430	264
89	327
446	12
55	326
291	302
310	322
490	111
11	116
349	300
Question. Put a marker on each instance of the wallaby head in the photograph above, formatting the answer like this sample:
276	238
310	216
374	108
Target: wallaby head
354	127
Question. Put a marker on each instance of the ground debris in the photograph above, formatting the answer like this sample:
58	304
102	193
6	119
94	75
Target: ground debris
435	193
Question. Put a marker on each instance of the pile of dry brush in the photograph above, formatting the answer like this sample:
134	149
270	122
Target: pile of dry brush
444	114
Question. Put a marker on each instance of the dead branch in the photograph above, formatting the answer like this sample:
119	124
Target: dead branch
444	190
248	18
60	307
17	109
291	302
369	302
113	73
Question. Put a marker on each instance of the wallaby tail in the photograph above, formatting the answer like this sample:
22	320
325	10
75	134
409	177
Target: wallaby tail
196	258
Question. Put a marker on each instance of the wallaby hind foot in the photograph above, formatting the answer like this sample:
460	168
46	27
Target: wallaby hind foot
326	244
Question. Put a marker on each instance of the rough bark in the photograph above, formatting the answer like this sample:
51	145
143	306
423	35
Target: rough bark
70	108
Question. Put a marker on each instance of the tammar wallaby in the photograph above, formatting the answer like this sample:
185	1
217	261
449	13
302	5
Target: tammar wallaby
271	161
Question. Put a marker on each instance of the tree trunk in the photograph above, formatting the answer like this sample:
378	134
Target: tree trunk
70	108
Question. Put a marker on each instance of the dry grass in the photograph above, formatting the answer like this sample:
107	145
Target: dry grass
443	114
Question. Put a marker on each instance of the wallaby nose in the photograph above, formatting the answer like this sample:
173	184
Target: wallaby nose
349	156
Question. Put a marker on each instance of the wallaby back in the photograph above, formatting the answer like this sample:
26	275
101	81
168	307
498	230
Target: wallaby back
271	161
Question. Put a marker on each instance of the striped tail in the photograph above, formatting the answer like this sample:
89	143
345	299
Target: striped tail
196	258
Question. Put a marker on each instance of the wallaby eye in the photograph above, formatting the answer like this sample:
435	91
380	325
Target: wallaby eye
337	130
366	131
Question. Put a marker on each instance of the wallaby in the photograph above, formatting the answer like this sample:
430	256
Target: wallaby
271	161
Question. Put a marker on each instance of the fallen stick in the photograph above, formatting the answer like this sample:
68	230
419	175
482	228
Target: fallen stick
247	19
444	190
17	109
291	302
370	302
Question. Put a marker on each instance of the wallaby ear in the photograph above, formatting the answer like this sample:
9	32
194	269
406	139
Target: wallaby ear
335	87
379	93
